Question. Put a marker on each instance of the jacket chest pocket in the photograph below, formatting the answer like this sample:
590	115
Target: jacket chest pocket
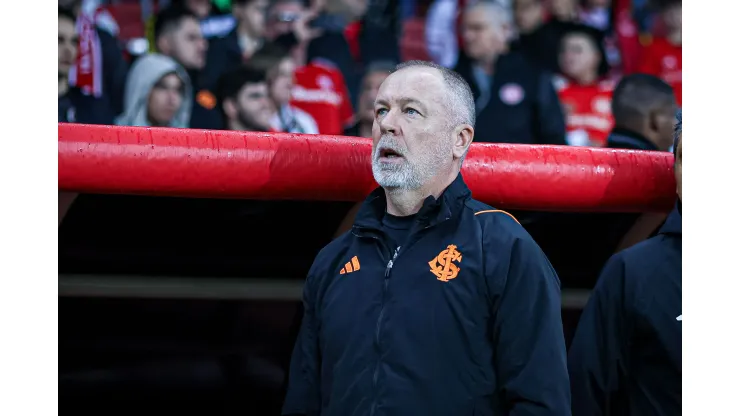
440	301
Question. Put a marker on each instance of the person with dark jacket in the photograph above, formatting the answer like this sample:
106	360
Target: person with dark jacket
177	34
377	39
625	358
540	38
644	108
283	22
232	50
515	100
434	303
74	104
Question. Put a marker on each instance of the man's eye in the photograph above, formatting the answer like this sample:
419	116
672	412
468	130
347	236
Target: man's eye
381	111
411	111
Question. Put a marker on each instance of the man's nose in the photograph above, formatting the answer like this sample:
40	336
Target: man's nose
389	122
172	97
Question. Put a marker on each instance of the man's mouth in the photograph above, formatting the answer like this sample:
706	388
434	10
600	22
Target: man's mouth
389	154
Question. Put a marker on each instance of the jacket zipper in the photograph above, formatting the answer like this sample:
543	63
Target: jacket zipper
386	278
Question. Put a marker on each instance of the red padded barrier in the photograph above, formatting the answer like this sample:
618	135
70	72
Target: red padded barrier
227	164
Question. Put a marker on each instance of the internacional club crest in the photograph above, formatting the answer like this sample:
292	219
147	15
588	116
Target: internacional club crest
443	265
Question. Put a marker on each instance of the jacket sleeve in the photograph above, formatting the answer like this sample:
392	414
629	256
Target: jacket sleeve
596	353
303	396
550	118
530	356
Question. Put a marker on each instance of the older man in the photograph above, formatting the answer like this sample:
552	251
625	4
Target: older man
626	354
434	303
515	100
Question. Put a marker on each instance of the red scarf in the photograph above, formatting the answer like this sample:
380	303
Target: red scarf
87	74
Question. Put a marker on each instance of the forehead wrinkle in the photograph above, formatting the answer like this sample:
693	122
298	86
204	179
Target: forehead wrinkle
423	87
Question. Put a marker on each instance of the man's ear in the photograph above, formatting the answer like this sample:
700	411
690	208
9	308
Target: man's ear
230	108
654	119
463	137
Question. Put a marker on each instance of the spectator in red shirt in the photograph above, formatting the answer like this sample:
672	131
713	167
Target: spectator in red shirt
280	68
662	57
244	100
319	88
583	89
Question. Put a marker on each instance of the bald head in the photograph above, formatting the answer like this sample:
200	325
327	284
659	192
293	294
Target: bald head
458	98
646	105
637	95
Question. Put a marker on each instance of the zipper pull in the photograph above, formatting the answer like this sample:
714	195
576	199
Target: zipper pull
390	262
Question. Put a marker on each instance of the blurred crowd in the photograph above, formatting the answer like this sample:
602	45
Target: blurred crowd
568	72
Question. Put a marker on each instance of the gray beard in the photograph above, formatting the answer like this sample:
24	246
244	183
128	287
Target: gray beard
405	175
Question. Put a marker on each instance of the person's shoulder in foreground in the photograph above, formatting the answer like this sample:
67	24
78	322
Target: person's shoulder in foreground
626	353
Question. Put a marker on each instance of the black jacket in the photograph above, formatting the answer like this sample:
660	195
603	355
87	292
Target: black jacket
543	45
523	106
76	107
224	54
625	358
206	114
620	138
464	319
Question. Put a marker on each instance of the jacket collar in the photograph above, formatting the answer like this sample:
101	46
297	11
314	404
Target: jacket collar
432	212
672	224
620	138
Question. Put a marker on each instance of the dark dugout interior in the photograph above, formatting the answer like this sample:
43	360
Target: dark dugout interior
192	305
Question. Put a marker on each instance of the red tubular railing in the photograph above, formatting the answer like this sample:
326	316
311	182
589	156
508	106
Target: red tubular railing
228	164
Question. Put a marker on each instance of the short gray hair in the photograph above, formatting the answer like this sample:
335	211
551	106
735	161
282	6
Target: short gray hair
460	97
497	10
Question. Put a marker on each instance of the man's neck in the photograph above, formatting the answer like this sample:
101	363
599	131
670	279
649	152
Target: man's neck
405	202
488	64
587	79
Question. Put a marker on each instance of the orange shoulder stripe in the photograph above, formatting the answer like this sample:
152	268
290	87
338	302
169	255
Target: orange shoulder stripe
497	210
